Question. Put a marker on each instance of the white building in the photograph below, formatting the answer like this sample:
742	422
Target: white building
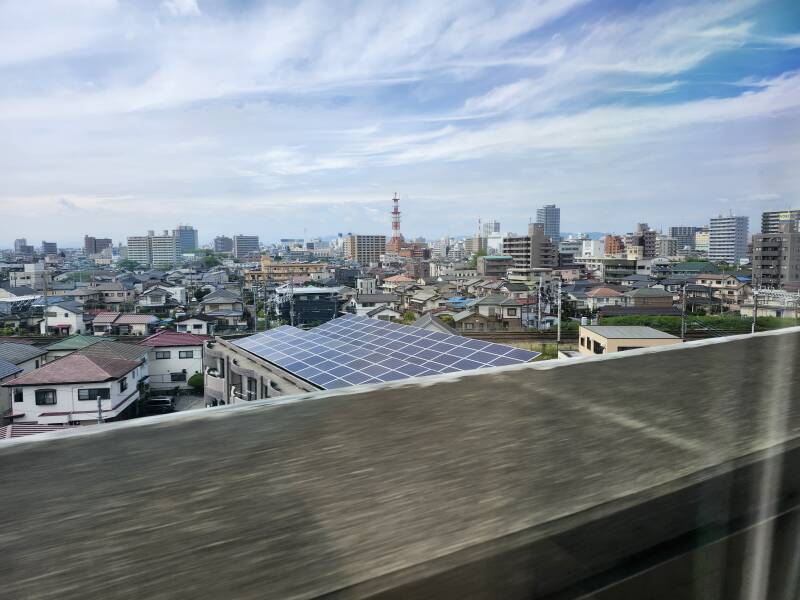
727	239
154	250
198	324
245	245
77	389
64	318
174	358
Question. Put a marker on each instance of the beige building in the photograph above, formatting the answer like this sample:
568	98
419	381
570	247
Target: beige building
364	249
283	271
605	339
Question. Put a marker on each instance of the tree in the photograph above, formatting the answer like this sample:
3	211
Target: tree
196	383
200	293
127	264
473	262
209	260
448	319
409	317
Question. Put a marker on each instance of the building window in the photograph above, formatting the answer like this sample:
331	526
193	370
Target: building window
177	377
45	397
123	384
512	312
186	354
197	326
468	325
94	394
18	395
163	354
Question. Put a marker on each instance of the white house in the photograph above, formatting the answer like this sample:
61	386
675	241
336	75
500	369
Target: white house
197	324
8	370
26	356
64	318
174	358
77	390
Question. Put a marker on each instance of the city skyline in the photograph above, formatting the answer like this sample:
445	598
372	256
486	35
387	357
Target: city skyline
276	120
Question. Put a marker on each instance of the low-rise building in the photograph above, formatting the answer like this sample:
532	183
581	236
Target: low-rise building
64	318
494	265
8	371
197	324
606	339
26	356
174	358
115	323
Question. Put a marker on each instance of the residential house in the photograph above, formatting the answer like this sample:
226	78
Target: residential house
425	300
63	318
364	303
77	390
431	322
26	356
226	307
69	345
8	371
599	297
732	291
651	297
384	313
197	324
174	358
491	313
116	323
390	284
158	299
613	338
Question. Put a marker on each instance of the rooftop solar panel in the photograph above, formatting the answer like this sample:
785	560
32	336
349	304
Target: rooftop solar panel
353	349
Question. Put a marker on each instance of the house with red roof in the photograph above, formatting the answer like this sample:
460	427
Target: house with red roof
174	358
78	389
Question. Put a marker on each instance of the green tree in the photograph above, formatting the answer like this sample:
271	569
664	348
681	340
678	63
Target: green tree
473	262
209	260
196	383
200	293
409	317
127	264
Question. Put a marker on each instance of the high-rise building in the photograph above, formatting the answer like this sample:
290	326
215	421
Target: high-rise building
701	240
223	243
364	249
93	245
490	227
643	237
684	236
667	246
245	245
476	243
187	238
22	247
776	257
550	217
728	239
771	221
153	250
533	251
49	248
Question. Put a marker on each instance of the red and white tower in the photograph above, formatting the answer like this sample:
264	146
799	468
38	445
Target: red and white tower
396	242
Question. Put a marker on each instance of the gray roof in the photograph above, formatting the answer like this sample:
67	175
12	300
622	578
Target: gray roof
379	309
650	292
109	349
69	305
434	323
628	332
21	290
220	296
19	353
8	368
377	298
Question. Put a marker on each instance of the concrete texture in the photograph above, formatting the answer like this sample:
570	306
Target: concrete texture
526	481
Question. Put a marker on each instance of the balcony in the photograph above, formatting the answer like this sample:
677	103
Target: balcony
214	385
676	475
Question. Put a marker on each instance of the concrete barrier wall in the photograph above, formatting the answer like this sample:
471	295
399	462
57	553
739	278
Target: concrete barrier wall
542	480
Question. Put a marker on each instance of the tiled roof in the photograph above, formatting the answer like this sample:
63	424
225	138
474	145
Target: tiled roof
434	323
76	342
174	338
7	368
21	290
110	349
603	292
69	305
398	279
19	353
377	298
649	292
106	318
76	368
135	319
220	296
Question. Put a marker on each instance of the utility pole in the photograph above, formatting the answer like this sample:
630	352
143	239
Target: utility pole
539	303
558	330
291	301
683	312
99	410
755	311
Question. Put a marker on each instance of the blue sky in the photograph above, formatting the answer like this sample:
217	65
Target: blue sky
282	118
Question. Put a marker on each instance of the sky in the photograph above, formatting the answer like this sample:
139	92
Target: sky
299	119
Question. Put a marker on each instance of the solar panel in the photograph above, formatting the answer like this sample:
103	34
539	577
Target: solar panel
352	350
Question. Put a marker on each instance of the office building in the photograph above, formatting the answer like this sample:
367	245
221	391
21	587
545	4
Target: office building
728	239
364	249
475	244
771	221
93	245
550	217
684	236
187	238
490	227
776	257
22	247
49	248
643	237
222	243
245	245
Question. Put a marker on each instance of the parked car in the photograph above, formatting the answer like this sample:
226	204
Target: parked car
159	405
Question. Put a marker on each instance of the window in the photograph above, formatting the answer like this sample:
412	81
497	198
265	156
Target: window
44	397
186	354
123	384
468	325
18	395
163	354
94	394
197	326
177	376
512	312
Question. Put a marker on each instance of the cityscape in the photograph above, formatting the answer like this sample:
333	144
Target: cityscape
395	299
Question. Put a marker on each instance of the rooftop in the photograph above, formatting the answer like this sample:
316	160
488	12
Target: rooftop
76	368
19	353
76	342
8	368
628	332
174	338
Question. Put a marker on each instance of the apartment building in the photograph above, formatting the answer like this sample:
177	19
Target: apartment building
533	251
153	250
93	245
684	236
223	243
364	249
776	257
771	221
728	239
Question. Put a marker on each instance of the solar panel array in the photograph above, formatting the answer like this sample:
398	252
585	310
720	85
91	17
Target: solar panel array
352	350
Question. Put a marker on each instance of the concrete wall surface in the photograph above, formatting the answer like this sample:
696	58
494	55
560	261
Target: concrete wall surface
563	479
